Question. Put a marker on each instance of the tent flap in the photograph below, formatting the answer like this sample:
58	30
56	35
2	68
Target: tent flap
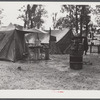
12	45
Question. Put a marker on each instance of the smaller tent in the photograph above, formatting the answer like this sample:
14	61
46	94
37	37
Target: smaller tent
12	43
63	39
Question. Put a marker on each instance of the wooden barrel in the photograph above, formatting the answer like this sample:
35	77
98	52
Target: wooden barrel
76	57
76	62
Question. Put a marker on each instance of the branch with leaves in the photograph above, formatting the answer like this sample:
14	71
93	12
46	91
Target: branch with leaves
32	15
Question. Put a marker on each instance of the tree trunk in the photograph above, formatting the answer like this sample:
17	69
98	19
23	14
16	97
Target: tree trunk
76	21
81	24
81	19
31	23
86	29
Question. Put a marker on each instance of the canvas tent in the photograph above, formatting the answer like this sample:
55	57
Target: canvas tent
12	43
64	42
63	39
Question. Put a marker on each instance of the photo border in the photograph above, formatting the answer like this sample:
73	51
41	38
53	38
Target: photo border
54	98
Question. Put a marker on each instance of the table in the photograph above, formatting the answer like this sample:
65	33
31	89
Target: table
37	53
98	48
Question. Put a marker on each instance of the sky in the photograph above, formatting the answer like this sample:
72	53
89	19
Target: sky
11	12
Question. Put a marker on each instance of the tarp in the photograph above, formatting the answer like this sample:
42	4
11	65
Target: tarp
37	34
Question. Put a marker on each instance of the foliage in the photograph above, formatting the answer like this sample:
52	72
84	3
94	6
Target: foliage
77	16
96	11
1	15
69	20
32	15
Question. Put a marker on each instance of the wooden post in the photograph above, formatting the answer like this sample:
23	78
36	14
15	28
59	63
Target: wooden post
91	48
46	53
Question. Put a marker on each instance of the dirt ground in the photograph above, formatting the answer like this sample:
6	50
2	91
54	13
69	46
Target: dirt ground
53	74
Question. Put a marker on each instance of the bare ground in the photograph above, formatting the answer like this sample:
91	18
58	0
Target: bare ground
53	74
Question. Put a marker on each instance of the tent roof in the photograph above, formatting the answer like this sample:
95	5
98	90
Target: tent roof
11	27
34	30
44	38
20	28
59	34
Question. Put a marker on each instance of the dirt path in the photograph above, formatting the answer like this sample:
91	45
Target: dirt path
54	74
